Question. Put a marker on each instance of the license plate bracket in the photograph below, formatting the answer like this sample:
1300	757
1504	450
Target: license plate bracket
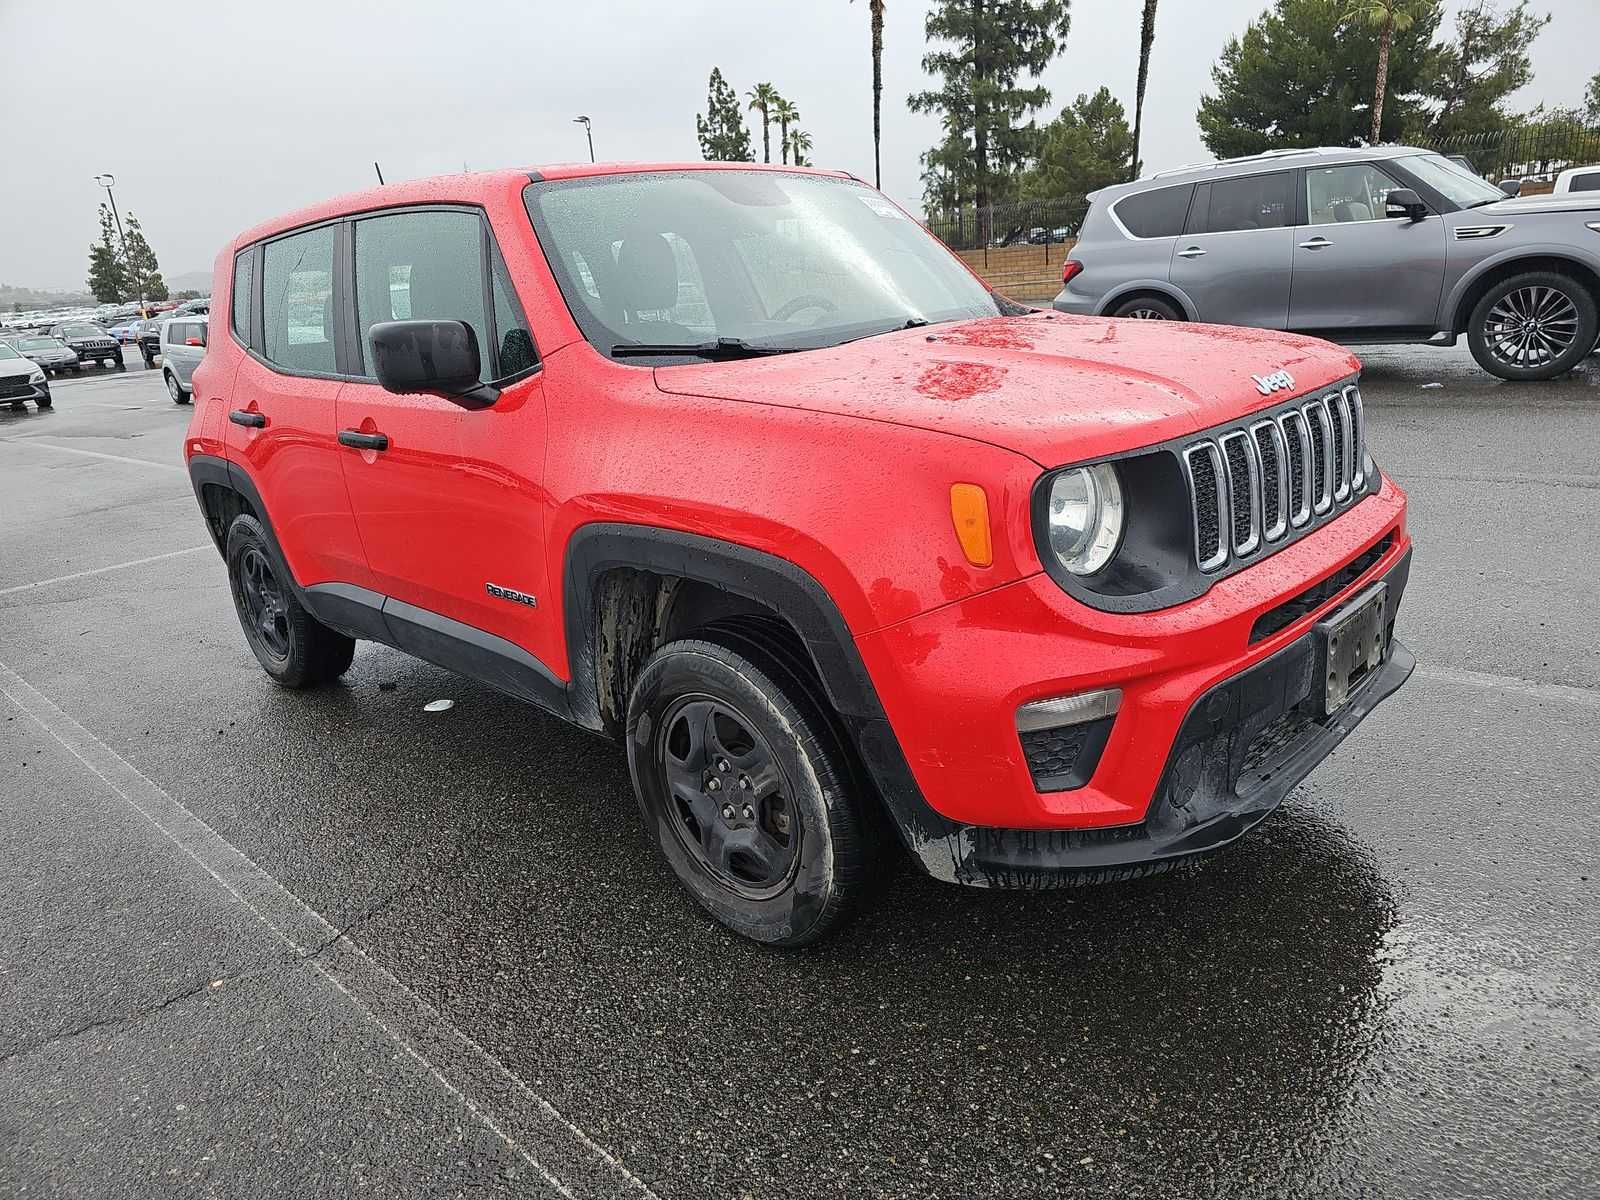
1354	642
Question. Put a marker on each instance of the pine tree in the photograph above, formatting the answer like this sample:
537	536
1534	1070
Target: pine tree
723	137
1302	75
108	279
1087	147
982	48
142	265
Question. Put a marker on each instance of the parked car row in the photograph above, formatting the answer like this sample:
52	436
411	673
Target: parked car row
176	340
1361	246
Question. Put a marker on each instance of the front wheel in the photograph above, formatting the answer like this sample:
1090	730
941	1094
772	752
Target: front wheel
1148	308
1533	326
292	646
175	389
746	785
44	402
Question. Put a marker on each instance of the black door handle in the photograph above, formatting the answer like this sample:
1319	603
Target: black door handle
252	420
357	440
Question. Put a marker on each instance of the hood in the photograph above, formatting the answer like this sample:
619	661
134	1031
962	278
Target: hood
1057	388
1548	202
13	367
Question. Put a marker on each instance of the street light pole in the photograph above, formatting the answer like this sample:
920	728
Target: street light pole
584	121
106	181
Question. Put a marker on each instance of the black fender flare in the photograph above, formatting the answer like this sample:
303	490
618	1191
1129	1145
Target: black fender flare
794	594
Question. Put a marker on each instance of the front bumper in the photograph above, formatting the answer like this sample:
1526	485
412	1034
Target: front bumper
24	393
96	353
951	682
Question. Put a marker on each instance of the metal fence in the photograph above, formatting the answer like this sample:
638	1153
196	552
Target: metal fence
1531	152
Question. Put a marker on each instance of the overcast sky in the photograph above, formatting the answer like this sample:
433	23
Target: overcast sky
215	115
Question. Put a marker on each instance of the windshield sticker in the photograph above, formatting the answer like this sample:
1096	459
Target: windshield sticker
881	206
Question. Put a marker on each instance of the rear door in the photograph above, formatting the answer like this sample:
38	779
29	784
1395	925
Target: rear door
452	505
1357	268
1236	252
281	414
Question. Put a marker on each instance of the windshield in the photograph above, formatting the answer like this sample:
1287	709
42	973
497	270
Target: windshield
37	343
1457	184
83	331
761	258
7	352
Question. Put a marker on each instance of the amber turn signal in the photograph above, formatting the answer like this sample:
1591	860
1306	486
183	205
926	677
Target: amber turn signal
969	512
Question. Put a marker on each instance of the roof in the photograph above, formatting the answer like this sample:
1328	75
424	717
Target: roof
478	187
1257	164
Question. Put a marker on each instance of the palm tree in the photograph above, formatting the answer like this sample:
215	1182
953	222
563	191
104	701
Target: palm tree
762	97
785	114
1147	36
875	9
799	143
1389	17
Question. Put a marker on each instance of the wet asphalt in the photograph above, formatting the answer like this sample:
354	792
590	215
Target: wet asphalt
255	943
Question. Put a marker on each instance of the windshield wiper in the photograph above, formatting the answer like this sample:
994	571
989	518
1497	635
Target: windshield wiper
722	349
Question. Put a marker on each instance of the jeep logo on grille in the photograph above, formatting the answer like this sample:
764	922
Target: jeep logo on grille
1278	381
511	594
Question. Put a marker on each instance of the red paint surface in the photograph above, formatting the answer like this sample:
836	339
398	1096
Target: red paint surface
839	460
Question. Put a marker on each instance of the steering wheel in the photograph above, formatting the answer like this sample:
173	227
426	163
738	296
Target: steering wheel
800	303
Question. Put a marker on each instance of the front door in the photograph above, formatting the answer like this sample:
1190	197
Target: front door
446	498
1357	268
1233	259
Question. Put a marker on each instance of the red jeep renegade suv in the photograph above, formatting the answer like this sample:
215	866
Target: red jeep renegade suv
742	467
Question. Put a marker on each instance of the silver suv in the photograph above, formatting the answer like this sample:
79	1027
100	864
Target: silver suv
183	345
1390	244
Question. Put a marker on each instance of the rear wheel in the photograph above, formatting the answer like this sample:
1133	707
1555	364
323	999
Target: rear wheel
748	789
1148	308
1533	326
291	645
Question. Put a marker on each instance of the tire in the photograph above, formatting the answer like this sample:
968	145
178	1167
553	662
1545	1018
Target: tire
77	368
1533	326
118	361
44	402
1148	308
293	647
175	389
149	362
758	718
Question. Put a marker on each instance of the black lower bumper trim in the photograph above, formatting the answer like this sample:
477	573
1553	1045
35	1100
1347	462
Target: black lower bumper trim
1217	785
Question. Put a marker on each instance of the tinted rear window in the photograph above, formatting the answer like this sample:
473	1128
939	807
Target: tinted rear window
1589	181
243	266
1155	214
1251	202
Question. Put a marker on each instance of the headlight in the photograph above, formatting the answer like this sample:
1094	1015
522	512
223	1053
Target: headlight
36	377
1085	517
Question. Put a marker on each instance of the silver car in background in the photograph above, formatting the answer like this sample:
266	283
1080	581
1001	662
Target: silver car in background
183	345
1388	244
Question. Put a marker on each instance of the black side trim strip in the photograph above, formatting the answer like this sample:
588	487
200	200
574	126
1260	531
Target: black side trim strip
492	660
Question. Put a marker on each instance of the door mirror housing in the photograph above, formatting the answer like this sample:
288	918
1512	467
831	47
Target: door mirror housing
437	358
1511	187
1403	202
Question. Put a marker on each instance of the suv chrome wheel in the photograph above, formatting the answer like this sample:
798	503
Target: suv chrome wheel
1145	314
1532	326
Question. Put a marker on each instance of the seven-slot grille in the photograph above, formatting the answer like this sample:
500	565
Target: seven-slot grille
1258	483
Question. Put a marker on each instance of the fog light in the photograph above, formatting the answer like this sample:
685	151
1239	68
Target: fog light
1069	710
1062	739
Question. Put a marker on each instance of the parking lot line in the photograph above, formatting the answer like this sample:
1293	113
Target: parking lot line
369	987
121	566
1556	693
141	462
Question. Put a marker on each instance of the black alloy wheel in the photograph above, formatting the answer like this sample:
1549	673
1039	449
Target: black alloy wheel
261	603
729	796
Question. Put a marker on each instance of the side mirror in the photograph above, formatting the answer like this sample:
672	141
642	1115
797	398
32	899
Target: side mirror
1511	187
1403	202
439	358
